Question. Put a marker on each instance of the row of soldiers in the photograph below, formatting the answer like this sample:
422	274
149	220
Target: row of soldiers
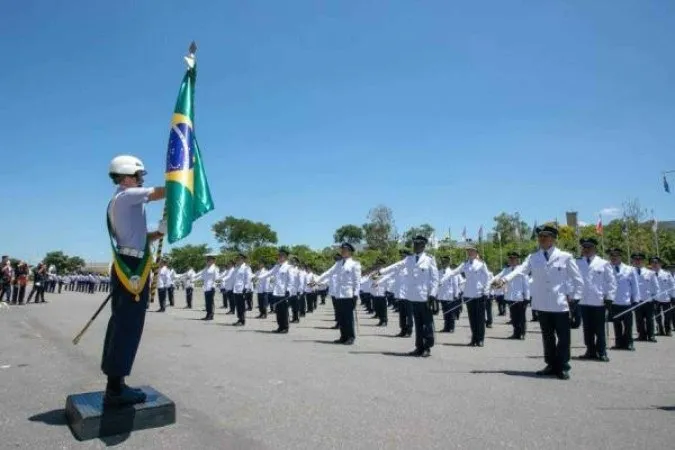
565	292
14	281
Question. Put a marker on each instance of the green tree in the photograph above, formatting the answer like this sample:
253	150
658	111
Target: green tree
58	259
74	264
509	226
182	258
242	234
425	230
265	254
380	228
348	233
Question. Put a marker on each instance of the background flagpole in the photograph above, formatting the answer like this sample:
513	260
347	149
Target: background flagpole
655	230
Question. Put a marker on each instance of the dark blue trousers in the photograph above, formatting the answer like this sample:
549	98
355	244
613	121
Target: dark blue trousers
125	326
345	310
424	325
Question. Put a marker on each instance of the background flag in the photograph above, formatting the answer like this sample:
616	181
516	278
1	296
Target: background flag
655	224
598	227
464	233
187	190
665	185
480	233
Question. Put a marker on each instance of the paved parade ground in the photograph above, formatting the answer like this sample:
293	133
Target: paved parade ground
250	389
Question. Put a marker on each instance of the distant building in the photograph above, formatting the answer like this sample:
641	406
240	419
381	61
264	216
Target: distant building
97	267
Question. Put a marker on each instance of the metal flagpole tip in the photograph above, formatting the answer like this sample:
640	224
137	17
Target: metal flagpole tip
190	58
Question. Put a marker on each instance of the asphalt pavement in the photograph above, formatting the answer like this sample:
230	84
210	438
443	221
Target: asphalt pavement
247	388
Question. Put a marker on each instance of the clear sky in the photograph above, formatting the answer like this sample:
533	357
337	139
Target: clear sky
309	113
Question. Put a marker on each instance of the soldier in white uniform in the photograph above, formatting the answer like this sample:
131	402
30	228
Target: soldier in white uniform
347	273
516	296
208	275
241	278
447	291
552	270
263	300
163	283
662	297
475	292
648	285
422	287
378	291
187	279
405	308
331	291
627	295
596	299
282	279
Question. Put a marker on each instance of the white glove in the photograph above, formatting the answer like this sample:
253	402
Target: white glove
162	227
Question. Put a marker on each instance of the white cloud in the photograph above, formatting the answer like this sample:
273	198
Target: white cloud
582	223
612	211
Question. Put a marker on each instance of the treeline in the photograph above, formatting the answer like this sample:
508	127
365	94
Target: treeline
378	240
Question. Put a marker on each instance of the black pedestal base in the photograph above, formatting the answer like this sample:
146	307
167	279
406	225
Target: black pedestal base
89	419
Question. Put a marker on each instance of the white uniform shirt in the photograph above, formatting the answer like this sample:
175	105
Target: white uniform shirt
366	284
310	277
208	276
518	288
282	279
187	278
648	284
599	281
477	278
347	275
627	289
262	283
550	279
666	285
421	277
164	280
448	286
241	277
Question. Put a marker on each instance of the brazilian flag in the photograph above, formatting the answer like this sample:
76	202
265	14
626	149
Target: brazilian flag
187	191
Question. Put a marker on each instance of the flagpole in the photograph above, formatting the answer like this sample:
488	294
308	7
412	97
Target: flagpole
602	236
501	256
189	59
627	236
655	230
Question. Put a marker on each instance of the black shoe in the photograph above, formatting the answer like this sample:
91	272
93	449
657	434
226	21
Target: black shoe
161	310
513	336
335	327
283	331
401	334
652	339
546	371
339	341
238	324
587	356
126	396
616	347
259	316
426	353
408	334
349	341
630	348
521	337
563	375
488	325
603	358
264	316
471	344
479	343
382	324
451	330
416	352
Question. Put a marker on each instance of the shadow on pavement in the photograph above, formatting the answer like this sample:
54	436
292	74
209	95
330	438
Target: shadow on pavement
514	373
317	341
54	417
405	354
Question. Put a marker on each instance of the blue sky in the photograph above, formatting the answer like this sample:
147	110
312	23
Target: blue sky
309	113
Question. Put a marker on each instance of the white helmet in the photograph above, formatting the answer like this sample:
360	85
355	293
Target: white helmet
126	165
